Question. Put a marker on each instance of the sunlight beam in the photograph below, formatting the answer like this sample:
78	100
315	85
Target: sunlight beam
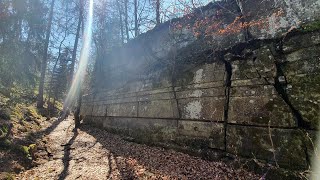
83	62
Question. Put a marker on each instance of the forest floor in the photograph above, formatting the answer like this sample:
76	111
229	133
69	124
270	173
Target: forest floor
91	153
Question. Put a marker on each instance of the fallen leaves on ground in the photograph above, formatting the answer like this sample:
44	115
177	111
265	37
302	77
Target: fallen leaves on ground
91	153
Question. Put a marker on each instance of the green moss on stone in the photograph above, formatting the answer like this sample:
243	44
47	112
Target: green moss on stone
309	27
305	97
184	78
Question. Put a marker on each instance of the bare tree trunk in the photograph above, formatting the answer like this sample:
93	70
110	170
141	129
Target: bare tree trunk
158	12
53	70
121	23
77	117
126	19
136	28
45	56
76	41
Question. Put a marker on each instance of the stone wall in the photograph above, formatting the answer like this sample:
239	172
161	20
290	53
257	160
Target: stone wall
250	87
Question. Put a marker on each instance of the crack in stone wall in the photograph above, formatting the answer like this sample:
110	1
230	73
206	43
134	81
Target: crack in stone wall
281	82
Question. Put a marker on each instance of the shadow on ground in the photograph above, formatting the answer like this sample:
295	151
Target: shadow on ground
137	161
66	156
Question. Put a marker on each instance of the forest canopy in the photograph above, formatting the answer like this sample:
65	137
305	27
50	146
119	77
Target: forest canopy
40	40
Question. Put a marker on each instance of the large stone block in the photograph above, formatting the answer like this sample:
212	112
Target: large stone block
303	61
87	98
284	146
121	100
252	82
259	105
213	72
200	129
86	109
298	42
259	65
125	109
264	111
96	121
217	84
99	110
156	96
211	131
158	109
197	93
304	95
209	73
206	108
143	129
153	124
255	90
305	54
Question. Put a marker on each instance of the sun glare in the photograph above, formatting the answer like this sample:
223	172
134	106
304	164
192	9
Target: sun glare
84	56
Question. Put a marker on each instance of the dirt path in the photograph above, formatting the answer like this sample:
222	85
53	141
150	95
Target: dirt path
91	153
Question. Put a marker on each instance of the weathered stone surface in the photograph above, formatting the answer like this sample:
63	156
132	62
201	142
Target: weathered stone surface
252	82
86	109
201	86
256	90
312	144
304	94
269	19
286	147
197	93
158	109
99	110
157	96
298	42
125	110
259	65
305	54
88	98
209	72
259	105
144	129
207	108
213	132
265	111
94	120
200	129
306	66
137	96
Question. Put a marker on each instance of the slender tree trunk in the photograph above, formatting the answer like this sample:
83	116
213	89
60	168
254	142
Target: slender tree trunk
121	23
54	69
126	19
76	41
158	12
136	28
77	117
45	56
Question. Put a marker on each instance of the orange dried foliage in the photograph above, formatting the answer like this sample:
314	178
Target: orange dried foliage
212	26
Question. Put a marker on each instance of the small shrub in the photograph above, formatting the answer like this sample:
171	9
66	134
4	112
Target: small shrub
9	177
5	114
17	113
3	130
32	111
5	144
29	150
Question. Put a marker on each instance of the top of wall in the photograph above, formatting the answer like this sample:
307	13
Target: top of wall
215	27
